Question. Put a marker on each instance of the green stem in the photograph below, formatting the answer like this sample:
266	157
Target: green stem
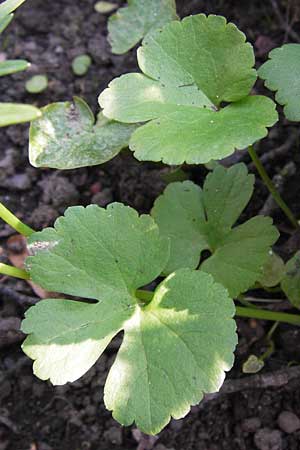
270	343
270	185
12	271
14	222
263	314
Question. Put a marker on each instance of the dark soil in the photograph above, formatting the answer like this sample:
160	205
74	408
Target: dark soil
33	414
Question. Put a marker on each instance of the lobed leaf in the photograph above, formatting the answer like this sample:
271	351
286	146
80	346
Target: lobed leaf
195	220
281	74
145	384
131	23
66	137
106	255
290	283
189	69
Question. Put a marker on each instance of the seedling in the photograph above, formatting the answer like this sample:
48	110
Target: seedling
13	113
81	64
36	84
105	7
191	104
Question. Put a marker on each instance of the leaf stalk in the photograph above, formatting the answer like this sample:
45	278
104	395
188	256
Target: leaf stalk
14	222
271	187
12	271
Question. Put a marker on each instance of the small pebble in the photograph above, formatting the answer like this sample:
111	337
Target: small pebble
266	439
288	422
251	425
20	182
103	197
162	447
114	435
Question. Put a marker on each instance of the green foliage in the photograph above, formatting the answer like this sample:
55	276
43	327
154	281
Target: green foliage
66	137
36	84
281	74
5	21
131	23
106	255
13	66
81	64
189	69
11	113
273	271
253	364
196	220
105	7
9	6
290	283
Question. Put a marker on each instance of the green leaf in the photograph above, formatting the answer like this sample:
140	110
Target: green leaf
11	113
86	254
131	23
37	84
197	220
13	66
238	261
273	271
66	137
5	21
145	384
291	281
106	255
253	364
81	64
190	68
8	7
105	7
281	74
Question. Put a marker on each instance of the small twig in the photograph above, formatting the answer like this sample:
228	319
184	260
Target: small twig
277	152
271	187
278	181
261	381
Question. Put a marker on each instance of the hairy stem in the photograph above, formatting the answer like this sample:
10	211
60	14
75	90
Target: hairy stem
14	222
12	271
270	185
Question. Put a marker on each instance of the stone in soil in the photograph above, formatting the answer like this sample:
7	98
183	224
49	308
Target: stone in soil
266	439
288	422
